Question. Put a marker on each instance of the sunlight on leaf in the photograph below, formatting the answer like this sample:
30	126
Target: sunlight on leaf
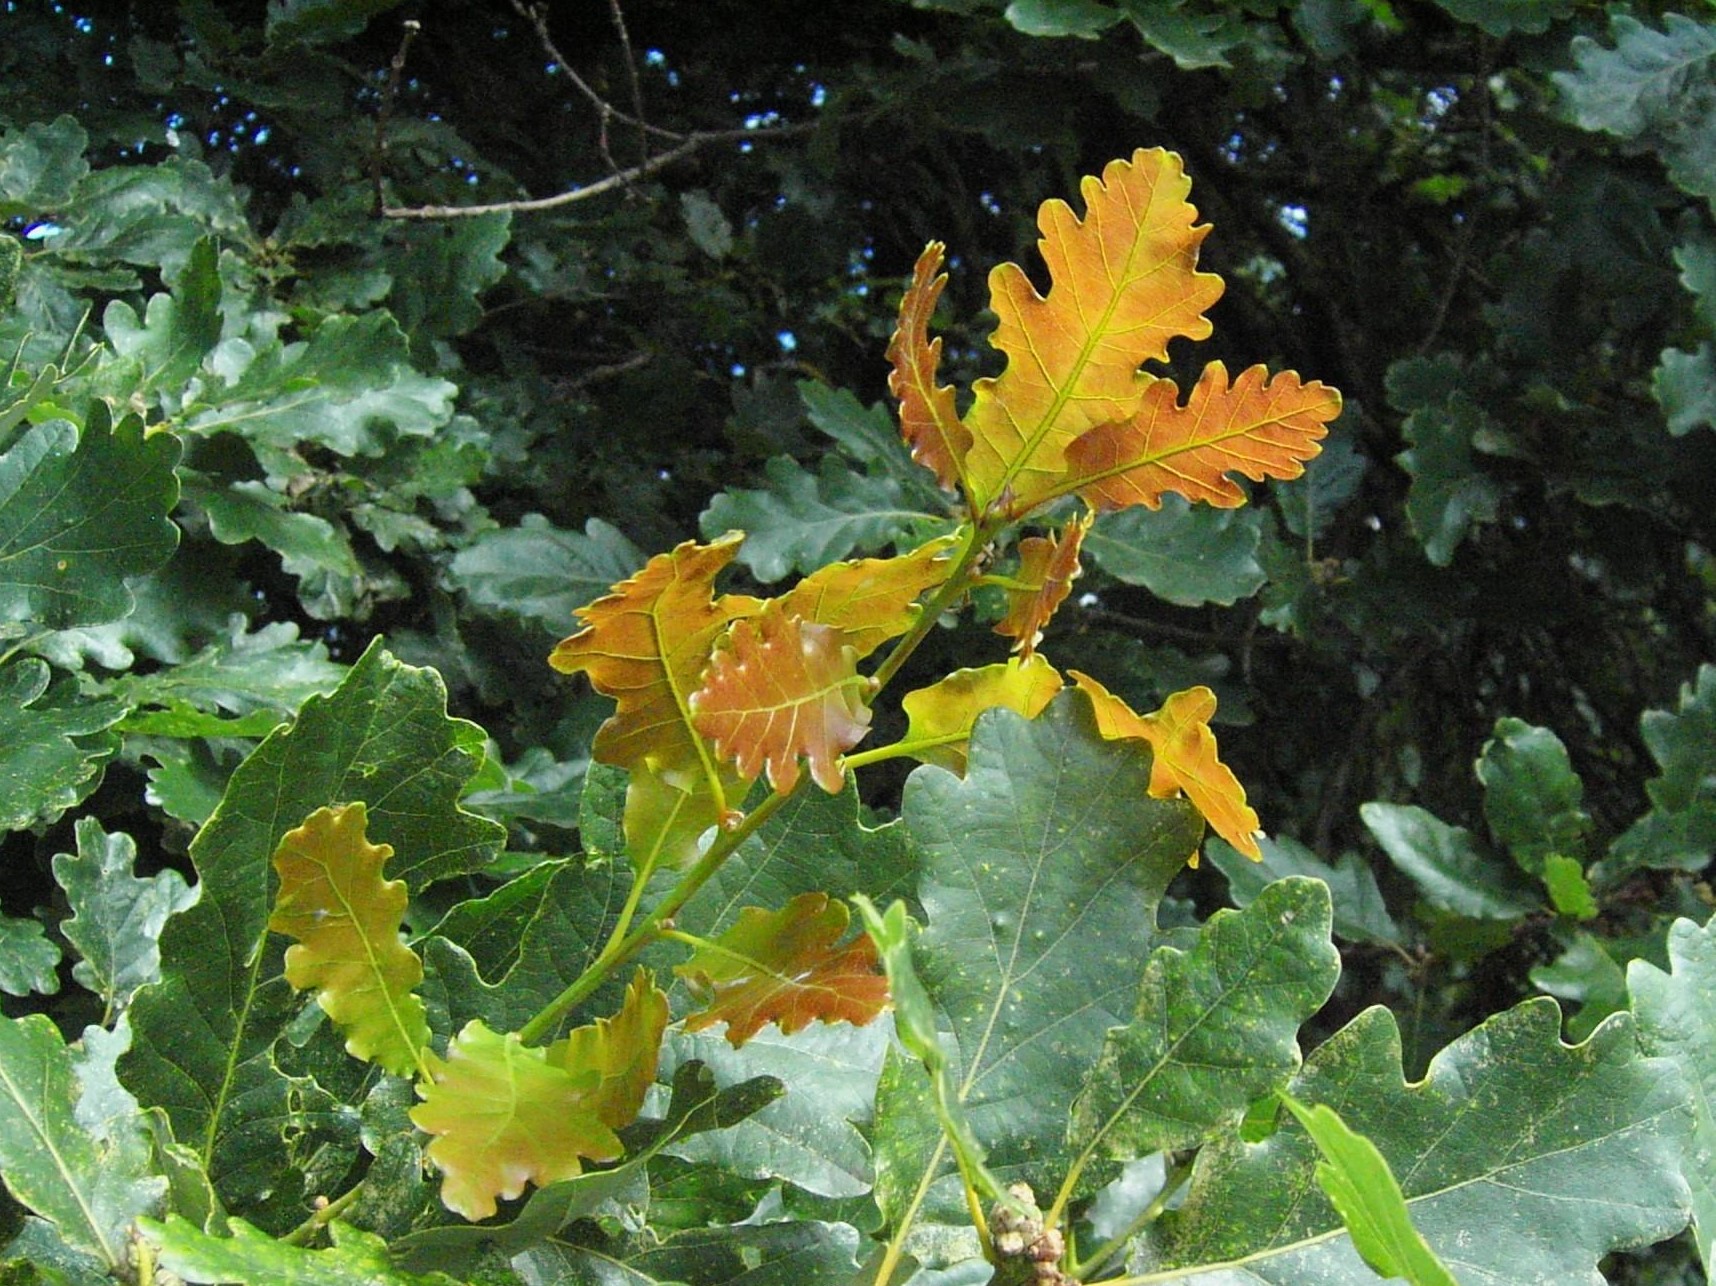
1047	568
621	1050
646	645
1186	758
928	420
1260	427
503	1115
874	599
1124	282
785	967
346	920
941	716
780	688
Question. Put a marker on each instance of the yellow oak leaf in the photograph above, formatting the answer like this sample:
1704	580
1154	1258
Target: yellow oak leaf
785	967
1261	427
1047	568
1124	281
874	599
1185	757
928	419
646	645
346	920
622	1051
940	717
780	688
504	1115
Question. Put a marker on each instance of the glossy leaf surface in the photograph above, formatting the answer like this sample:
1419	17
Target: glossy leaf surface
787	967
781	689
942	715
346	921
1254	425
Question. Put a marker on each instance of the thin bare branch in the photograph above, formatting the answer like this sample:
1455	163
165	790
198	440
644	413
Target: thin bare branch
604	109
619	17
623	178
384	116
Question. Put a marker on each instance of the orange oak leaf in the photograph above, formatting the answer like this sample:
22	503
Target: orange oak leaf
1185	757
504	1115
1047	568
1261	427
780	688
874	599
646	645
940	717
928	419
785	967
622	1051
1124	281
346	920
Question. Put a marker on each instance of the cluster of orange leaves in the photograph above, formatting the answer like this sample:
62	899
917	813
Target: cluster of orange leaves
713	690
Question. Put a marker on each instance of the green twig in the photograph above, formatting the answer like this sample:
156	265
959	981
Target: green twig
619	950
1172	1182
306	1232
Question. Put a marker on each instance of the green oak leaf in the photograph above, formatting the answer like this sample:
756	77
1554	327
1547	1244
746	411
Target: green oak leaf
802	521
252	1258
116	919
1587	975
1041	871
1185	553
29	961
315	22
310	547
1214	1028
815	843
1083	18
696	1106
1653	87
1360	913
1676	1022
79	513
1521	1159
1363	1189
72	1145
813	1135
40	166
334	389
1684	385
503	957
164	349
1450	493
871	436
1679	832
769	1254
1310	504
11	259
1446	865
440	267
1505	17
541	573
205	1032
52	744
151	214
269	670
1532	797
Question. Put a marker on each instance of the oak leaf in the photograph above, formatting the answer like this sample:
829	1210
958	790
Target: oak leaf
1261	427
622	1051
346	920
1124	281
1047	568
1185	757
929	421
780	688
504	1115
785	967
874	599
646	645
941	716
